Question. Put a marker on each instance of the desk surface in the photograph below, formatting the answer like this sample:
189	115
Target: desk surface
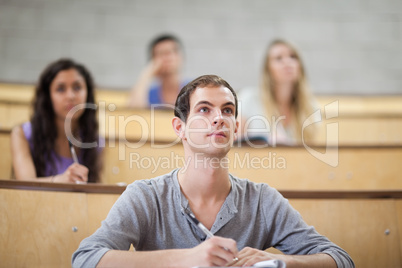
114	189
62	187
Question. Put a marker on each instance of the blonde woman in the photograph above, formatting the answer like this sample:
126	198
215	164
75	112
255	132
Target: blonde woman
276	111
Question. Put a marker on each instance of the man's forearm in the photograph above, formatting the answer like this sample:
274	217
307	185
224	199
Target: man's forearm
158	258
216	251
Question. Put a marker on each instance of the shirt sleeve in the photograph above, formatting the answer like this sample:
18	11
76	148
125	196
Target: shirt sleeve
290	234
119	230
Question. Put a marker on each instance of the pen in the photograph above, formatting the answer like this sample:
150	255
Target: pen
203	228
75	158
200	225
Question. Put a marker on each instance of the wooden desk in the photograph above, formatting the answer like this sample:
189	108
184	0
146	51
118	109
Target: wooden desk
351	129
15	102
362	120
364	105
134	124
5	156
16	93
149	125
348	105
285	168
361	131
12	114
43	223
366	228
24	93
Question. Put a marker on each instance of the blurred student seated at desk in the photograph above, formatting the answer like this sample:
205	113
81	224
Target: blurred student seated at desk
40	148
161	80
240	218
283	101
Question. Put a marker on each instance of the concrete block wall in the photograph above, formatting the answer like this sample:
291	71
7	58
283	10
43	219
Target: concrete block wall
348	46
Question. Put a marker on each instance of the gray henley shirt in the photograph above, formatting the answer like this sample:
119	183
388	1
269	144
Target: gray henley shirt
149	215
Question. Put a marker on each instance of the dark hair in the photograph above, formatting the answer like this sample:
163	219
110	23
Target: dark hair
182	105
44	131
160	39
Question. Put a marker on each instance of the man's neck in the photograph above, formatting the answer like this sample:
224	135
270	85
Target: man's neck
170	86
170	81
205	180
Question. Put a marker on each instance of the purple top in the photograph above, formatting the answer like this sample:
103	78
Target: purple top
61	163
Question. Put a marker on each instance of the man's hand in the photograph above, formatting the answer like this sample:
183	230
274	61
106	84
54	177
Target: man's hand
249	256
155	67
216	251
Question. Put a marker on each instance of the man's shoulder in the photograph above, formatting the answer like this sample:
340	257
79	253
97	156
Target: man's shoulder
248	185
159	182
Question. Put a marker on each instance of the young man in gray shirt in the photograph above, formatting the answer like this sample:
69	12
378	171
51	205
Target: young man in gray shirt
244	217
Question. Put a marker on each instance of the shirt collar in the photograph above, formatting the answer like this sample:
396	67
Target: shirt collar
226	212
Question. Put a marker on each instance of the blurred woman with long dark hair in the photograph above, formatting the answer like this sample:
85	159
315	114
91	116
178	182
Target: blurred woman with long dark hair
40	148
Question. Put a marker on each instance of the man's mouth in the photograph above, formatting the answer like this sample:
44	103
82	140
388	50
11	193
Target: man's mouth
218	134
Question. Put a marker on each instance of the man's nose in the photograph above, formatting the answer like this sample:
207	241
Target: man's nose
218	119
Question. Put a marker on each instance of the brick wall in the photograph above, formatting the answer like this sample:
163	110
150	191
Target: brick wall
349	46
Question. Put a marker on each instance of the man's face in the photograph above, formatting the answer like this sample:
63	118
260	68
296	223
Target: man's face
211	123
168	56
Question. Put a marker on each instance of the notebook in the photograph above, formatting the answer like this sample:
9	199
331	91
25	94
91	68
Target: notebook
262	264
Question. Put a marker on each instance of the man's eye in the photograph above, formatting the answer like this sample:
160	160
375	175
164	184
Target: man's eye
228	110
204	110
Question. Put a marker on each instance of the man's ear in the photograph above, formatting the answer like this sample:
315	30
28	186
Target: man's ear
236	129
179	127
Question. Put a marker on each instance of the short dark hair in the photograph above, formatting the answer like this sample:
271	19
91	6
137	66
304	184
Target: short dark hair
160	39
182	105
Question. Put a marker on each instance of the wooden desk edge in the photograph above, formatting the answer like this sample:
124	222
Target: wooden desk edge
337	194
236	145
62	187
114	189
